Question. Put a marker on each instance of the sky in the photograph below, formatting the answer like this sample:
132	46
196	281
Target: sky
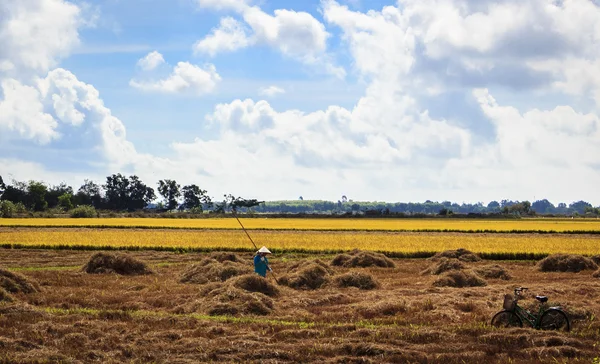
413	100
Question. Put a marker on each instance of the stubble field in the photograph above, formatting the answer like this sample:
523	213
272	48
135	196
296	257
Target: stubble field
200	306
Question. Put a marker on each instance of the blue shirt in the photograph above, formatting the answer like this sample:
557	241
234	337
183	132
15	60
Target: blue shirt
260	265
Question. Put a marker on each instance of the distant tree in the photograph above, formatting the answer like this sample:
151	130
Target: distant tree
89	194
543	207
355	207
344	199
300	198
579	206
194	197
2	186
55	192
139	195
526	207
493	206
16	193
65	201
445	212
117	192
124	193
237	202
170	191
36	192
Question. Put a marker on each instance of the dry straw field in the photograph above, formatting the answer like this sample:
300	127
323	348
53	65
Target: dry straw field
186	292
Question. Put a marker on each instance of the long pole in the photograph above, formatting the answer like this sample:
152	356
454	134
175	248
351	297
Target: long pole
248	235
243	228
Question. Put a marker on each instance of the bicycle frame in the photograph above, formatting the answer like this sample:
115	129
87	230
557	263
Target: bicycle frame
532	319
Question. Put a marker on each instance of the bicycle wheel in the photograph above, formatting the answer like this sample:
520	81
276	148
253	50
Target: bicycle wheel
555	319
506	319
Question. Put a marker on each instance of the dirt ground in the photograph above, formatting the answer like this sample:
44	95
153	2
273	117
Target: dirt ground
80	317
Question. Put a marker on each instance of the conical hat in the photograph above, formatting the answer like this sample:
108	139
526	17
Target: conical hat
264	250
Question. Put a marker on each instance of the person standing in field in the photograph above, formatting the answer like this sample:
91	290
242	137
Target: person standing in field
261	263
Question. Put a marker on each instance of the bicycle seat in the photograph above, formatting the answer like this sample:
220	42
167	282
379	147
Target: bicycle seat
542	299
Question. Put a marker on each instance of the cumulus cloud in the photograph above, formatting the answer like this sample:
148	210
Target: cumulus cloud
151	61
35	34
22	112
185	78
228	37
295	34
271	91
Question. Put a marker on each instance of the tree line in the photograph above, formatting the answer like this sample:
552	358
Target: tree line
122	193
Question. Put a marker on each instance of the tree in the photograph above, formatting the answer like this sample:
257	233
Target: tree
64	201
55	192
236	202
89	194
543	207
2	187
139	195
36	192
194	197
493	206
169	190
16	193
117	192
579	206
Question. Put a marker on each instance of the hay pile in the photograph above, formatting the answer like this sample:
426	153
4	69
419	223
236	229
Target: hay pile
12	282
444	265
460	254
596	274
229	300
493	271
566	263
5	296
214	270
118	263
357	258
596	259
459	279
255	283
307	275
244	295
356	279
226	256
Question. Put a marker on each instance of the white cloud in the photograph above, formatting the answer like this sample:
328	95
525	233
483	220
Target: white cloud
151	61
34	34
296	34
228	37
185	78
271	91
22	112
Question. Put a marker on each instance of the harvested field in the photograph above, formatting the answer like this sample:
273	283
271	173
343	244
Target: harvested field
500	246
355	224
155	318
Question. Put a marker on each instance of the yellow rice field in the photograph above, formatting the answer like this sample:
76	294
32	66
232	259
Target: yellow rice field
533	225
305	240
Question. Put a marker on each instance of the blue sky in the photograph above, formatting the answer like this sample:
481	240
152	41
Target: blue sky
458	100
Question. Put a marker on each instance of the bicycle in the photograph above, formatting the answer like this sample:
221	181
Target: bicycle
513	315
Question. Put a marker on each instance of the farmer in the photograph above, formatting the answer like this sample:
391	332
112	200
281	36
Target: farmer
261	263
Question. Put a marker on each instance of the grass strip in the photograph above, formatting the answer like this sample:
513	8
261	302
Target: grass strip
184	250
